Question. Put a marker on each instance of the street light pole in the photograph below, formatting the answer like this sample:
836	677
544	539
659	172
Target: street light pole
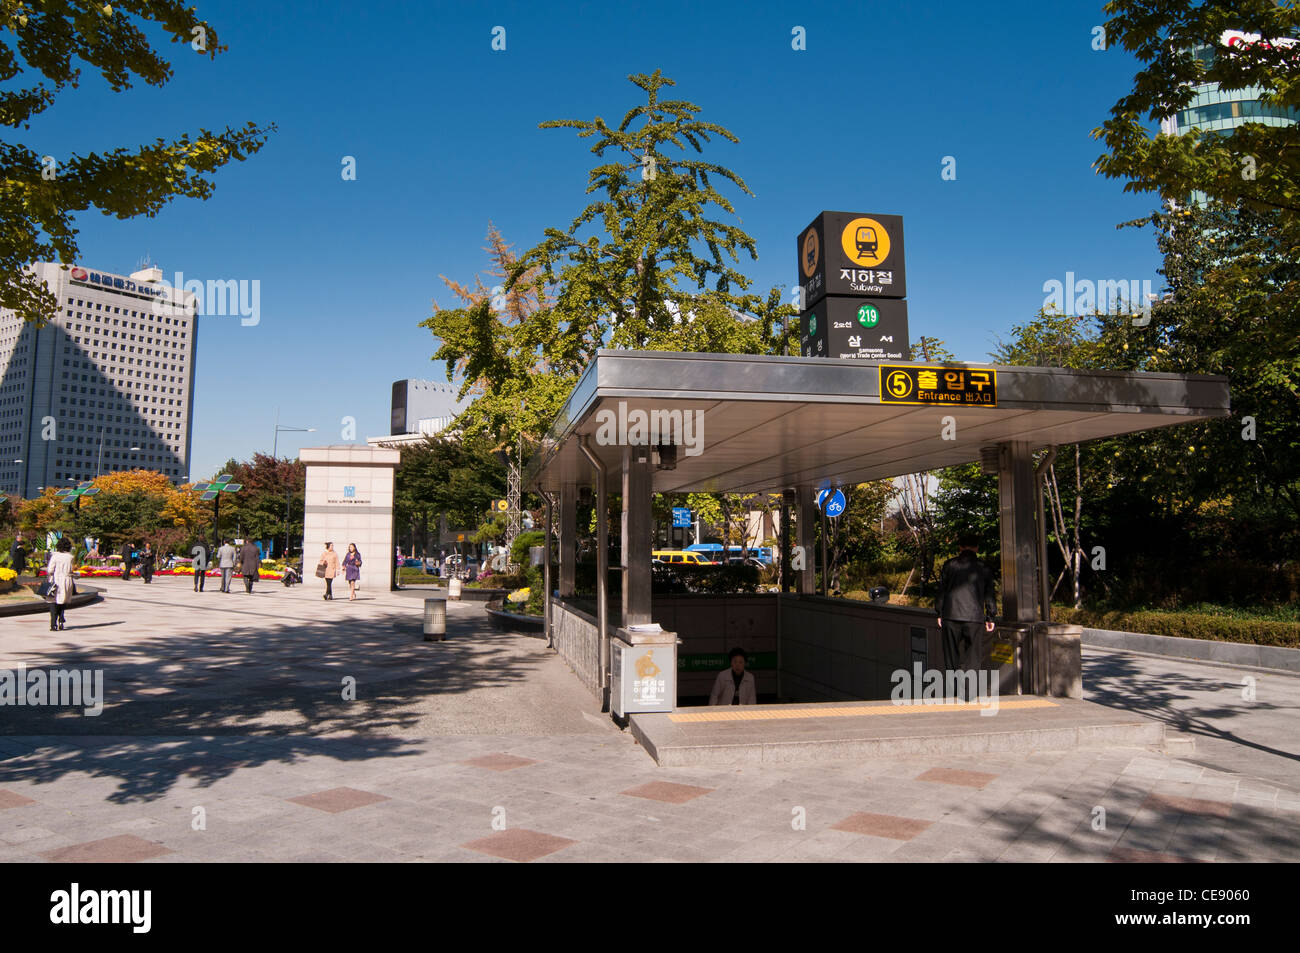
275	446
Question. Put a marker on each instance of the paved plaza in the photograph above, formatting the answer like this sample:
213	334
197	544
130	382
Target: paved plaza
277	726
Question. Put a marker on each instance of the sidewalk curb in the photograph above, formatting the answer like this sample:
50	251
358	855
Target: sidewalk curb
1205	650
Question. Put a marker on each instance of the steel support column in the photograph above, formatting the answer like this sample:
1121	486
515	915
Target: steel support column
787	508
637	541
1040	485
568	538
1016	487
546	572
807	520
602	565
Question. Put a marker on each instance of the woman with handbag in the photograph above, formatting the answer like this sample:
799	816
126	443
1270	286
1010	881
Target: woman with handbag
59	586
352	570
327	567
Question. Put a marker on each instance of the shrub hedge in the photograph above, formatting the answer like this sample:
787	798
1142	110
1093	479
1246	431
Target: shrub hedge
712	579
670	579
1187	625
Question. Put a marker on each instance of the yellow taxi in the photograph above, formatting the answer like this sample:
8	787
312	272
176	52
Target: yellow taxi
679	557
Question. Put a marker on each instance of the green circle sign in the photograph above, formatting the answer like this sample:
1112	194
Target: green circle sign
868	315
812	324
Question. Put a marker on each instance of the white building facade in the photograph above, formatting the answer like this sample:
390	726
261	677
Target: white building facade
349	499
107	385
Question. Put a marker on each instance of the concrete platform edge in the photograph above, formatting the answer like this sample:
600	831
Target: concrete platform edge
1141	732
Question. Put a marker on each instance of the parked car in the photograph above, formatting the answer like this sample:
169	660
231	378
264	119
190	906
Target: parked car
679	557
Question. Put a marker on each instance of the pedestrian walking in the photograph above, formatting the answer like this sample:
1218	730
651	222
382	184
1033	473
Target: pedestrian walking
352	570
18	555
200	567
58	578
327	567
146	564
250	561
128	559
965	600
226	556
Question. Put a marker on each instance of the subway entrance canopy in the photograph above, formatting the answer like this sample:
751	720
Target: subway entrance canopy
790	425
770	423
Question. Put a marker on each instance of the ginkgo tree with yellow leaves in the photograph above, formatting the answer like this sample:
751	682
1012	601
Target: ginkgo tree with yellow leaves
138	506
43	50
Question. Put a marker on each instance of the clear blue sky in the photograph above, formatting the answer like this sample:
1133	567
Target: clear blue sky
444	132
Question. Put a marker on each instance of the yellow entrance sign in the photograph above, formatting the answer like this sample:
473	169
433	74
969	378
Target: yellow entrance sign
865	242
945	384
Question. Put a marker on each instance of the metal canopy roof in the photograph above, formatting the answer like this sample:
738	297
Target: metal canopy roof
775	422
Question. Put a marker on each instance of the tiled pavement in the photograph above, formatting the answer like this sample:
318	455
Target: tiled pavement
485	748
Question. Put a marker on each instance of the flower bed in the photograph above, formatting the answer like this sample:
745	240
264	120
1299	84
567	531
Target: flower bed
88	572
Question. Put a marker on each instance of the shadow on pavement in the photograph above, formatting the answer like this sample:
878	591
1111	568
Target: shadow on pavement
206	703
1121	681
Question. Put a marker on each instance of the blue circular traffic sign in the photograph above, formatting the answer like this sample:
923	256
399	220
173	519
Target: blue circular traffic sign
835	503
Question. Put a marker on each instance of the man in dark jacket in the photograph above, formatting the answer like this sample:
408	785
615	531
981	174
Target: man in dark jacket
18	555
128	560
966	599
250	561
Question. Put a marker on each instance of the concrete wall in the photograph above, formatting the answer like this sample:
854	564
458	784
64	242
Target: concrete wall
830	649
363	515
574	634
713	625
839	650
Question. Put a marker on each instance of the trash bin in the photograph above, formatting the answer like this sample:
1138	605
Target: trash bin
435	619
643	672
454	588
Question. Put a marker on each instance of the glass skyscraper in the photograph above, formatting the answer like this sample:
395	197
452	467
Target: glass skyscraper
1218	110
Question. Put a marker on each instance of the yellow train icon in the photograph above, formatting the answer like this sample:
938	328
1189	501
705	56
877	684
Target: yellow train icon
865	239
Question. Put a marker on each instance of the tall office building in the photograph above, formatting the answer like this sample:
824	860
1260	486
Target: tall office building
107	385
425	407
1217	110
1221	110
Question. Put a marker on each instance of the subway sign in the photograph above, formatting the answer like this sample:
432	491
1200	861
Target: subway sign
852	253
865	329
938	386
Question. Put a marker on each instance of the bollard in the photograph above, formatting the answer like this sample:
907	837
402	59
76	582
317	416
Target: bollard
435	619
453	588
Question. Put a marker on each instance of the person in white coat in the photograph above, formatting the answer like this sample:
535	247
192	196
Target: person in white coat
734	686
58	572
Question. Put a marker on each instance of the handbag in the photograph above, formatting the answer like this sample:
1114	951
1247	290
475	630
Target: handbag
321	568
45	590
